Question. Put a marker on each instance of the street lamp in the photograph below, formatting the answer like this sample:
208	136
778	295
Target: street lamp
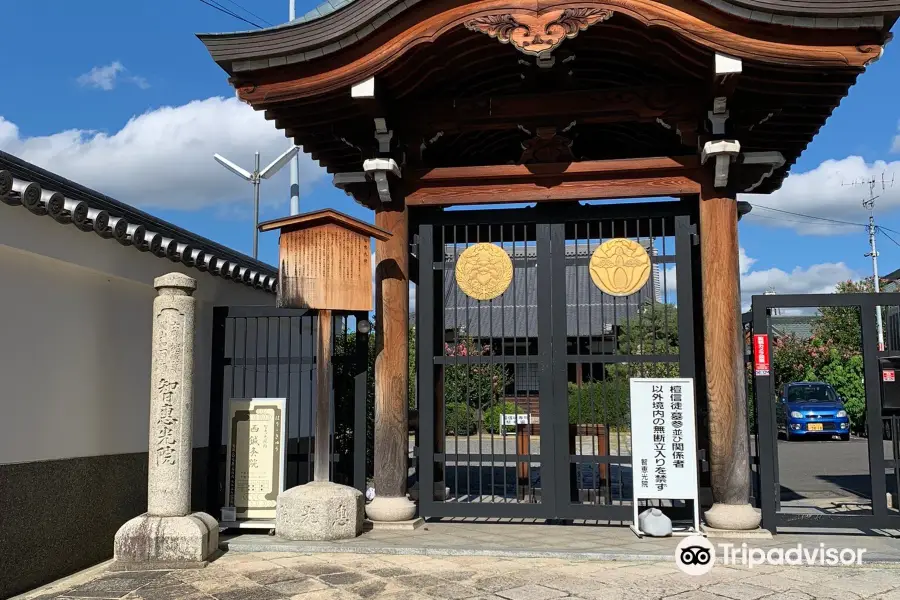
255	178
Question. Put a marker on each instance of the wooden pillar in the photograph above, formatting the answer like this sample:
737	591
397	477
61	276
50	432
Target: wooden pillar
323	398
729	455
391	365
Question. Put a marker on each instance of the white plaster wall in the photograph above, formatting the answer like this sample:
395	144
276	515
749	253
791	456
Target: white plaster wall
75	324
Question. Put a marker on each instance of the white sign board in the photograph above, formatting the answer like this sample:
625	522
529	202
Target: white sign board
514	420
255	465
664	441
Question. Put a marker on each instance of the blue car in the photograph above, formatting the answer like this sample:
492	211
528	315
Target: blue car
811	408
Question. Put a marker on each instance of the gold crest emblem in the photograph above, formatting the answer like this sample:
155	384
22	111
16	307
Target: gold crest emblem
484	271
620	267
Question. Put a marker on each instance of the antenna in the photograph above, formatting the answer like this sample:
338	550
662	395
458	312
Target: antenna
869	204
255	178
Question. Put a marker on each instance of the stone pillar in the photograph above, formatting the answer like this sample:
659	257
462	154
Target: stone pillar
391	367
724	351
168	535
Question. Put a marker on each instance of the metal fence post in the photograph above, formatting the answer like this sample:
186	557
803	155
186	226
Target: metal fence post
871	374
767	436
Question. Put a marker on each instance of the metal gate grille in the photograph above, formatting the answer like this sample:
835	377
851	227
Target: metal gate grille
523	399
265	352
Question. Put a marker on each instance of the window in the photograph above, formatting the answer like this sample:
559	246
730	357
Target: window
527	379
817	392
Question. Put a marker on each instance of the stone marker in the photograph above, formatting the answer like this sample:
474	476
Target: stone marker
168	536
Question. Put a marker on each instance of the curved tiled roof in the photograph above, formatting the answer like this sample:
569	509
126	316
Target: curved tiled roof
797	13
43	193
336	24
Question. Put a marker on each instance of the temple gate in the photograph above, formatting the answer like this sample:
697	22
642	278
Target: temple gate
417	106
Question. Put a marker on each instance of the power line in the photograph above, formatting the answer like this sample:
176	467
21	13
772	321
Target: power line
222	9
881	229
252	14
779	219
787	212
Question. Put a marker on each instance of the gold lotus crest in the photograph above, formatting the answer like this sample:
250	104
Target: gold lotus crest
484	271
620	267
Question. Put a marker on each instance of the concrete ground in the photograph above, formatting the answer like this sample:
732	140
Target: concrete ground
826	468
346	576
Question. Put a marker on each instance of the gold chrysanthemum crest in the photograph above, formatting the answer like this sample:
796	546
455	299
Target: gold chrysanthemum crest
620	267
484	271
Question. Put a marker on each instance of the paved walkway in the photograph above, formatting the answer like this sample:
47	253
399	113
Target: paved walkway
348	576
518	538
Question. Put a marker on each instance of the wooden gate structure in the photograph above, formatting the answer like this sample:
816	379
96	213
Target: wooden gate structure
418	105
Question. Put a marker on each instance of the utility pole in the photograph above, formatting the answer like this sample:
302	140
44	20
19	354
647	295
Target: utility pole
869	204
256	178
295	162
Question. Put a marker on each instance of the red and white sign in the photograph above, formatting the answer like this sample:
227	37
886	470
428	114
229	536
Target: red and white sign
888	375
761	363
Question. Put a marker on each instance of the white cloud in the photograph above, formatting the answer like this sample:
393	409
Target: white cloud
164	157
833	190
105	77
816	279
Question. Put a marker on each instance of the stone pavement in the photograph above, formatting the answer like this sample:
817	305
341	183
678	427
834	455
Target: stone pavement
349	576
525	538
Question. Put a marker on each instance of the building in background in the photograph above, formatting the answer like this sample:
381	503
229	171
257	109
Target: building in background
75	316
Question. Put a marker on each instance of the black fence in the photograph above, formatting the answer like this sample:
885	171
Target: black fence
830	339
552	354
265	352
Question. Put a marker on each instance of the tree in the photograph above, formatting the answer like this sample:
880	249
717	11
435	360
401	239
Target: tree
654	330
478	384
841	324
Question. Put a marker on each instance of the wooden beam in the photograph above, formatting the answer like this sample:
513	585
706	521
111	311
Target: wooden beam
507	112
323	397
724	350
627	104
391	352
589	180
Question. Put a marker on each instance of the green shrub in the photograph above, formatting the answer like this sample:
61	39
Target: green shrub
600	402
460	419
492	416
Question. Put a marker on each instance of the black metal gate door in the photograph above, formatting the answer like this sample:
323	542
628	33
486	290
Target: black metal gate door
524	407
268	352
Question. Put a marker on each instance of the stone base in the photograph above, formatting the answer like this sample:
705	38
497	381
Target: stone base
892	501
740	534
318	512
735	517
148	542
410	525
386	508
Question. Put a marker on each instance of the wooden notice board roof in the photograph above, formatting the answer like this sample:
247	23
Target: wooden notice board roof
323	217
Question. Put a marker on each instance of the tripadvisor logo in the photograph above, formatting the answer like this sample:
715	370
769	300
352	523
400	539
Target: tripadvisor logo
696	555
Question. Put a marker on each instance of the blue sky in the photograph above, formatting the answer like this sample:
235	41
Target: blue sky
93	79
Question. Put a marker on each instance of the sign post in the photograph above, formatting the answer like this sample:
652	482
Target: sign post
255	465
664	444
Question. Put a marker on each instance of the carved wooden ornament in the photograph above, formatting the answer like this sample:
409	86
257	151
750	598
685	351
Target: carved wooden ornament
484	271
620	267
536	34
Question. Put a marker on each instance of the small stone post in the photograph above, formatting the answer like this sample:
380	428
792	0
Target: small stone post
168	536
